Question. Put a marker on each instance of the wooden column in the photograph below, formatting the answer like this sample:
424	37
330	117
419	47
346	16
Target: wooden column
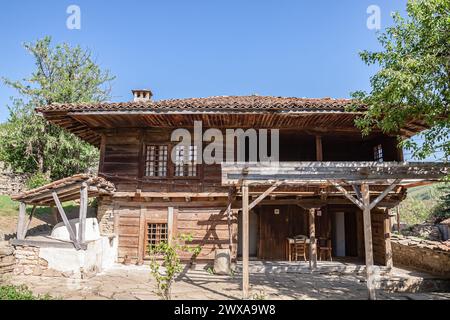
245	242
142	246
83	213
28	223
21	221
387	240
170	224
229	221
368	241
312	240
319	151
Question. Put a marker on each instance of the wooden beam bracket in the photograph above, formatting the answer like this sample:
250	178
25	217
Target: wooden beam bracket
265	194
72	235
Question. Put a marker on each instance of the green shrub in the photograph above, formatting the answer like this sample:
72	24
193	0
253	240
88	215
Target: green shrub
11	292
37	180
165	271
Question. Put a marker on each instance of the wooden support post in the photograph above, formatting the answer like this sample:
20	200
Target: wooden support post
387	240
54	212
72	235
229	219
83	213
25	230
142	246
21	221
245	242
368	241
319	152
170	224
312	240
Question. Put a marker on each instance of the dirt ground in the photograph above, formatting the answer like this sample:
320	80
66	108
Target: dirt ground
8	225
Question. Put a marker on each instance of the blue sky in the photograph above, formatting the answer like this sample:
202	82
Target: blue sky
202	48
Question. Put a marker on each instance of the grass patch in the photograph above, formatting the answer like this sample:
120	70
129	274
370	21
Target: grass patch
20	293
10	208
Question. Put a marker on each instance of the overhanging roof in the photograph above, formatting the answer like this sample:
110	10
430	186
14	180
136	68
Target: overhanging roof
231	111
322	173
68	189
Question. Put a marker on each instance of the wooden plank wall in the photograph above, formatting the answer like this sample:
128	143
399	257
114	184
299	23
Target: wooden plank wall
274	229
122	157
129	233
208	227
378	235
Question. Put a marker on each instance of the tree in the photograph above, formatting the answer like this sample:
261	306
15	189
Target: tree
414	77
30	144
442	210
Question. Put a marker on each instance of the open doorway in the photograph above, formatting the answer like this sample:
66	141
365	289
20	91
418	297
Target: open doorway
253	234
344	234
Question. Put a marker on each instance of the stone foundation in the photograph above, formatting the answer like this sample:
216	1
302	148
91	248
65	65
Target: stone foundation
429	256
28	262
7	259
65	262
105	217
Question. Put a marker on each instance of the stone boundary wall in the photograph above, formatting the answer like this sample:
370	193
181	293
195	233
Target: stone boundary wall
10	183
429	256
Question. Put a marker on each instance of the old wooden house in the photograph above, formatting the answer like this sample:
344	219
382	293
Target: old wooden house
331	182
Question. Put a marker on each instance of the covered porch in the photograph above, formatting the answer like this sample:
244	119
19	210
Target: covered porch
74	248
366	185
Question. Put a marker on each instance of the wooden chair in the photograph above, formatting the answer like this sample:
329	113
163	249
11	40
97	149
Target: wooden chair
300	247
324	248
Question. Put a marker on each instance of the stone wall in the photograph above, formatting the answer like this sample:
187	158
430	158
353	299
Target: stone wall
10	183
429	256
105	216
28	262
7	259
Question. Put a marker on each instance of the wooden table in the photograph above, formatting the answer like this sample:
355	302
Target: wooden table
289	243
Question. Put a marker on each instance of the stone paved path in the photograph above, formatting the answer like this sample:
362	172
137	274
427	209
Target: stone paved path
134	282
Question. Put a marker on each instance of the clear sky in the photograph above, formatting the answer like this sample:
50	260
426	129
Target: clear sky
201	48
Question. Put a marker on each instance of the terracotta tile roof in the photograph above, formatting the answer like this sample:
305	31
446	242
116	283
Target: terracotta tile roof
230	103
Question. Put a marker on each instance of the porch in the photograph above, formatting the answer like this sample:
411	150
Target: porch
355	181
331	281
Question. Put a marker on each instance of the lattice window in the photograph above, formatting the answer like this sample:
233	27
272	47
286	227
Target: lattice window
156	233
378	153
156	157
185	165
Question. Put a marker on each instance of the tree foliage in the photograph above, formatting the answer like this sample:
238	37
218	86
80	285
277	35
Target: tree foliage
63	74
414	76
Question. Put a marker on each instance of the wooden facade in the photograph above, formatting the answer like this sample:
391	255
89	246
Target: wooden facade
200	202
331	182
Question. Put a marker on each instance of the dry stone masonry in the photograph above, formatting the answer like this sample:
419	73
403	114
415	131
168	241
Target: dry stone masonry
425	255
7	259
10	183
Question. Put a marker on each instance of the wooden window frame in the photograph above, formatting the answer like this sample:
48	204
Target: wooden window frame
148	222
378	154
198	167
144	161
